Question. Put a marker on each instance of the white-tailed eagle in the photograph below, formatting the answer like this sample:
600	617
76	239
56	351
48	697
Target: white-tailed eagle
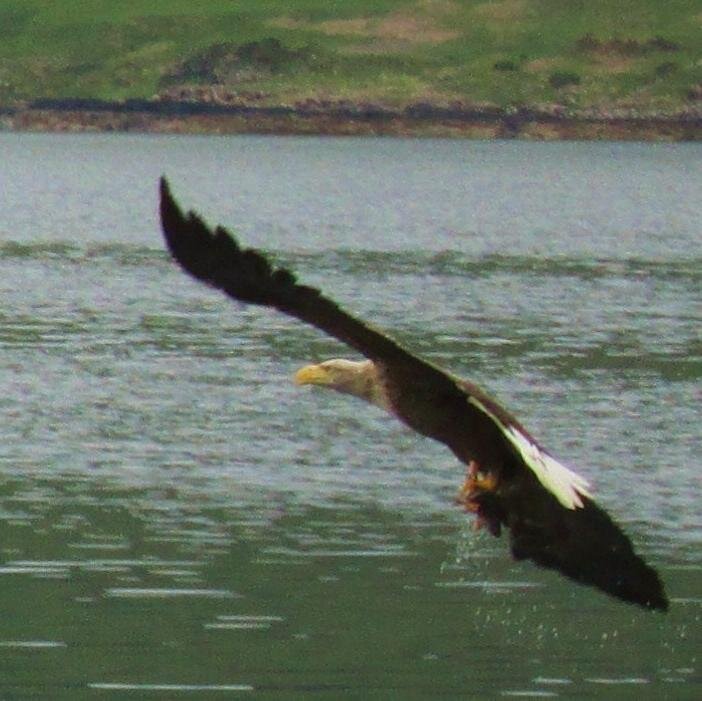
512	482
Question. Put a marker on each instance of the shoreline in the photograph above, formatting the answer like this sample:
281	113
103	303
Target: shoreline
343	118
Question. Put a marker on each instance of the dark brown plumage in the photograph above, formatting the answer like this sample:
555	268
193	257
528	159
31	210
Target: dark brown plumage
547	509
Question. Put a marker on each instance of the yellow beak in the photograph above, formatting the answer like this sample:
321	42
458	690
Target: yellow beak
312	375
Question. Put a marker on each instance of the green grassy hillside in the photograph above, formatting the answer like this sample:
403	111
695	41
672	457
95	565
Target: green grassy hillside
644	54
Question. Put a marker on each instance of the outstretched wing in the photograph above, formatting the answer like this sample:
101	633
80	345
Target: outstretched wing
247	276
551	518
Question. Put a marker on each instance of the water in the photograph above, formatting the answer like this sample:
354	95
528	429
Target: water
178	519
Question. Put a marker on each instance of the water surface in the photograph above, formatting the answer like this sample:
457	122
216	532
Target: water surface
178	519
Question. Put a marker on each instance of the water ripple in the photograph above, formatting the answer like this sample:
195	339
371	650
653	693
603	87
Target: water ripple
167	593
169	688
371	263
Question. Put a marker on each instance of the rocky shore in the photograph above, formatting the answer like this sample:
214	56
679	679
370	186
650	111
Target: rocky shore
208	111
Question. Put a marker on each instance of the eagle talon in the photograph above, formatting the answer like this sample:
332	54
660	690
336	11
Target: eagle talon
476	483
471	497
484	481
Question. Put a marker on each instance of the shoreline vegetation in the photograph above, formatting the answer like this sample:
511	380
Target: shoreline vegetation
533	69
208	114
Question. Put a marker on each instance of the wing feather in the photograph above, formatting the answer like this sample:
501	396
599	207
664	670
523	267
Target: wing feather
247	276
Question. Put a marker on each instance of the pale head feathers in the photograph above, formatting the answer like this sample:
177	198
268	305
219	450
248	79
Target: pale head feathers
359	378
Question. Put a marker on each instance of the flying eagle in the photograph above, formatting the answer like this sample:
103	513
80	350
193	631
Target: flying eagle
511	481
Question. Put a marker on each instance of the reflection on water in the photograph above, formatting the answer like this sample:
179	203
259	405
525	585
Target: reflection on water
177	518
280	599
171	688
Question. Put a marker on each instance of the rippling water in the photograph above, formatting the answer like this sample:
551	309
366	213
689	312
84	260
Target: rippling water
178	519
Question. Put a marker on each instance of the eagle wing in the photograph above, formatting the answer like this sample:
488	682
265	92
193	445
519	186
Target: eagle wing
246	275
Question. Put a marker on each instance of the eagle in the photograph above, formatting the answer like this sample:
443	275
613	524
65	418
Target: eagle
512	483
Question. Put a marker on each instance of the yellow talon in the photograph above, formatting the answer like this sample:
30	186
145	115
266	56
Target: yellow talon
485	482
471	497
476	482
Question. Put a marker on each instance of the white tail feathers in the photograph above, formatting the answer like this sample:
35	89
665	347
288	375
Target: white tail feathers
567	486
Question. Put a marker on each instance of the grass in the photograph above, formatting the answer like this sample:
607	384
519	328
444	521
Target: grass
389	51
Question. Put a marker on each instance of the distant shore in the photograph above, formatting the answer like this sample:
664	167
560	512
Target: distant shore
344	118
